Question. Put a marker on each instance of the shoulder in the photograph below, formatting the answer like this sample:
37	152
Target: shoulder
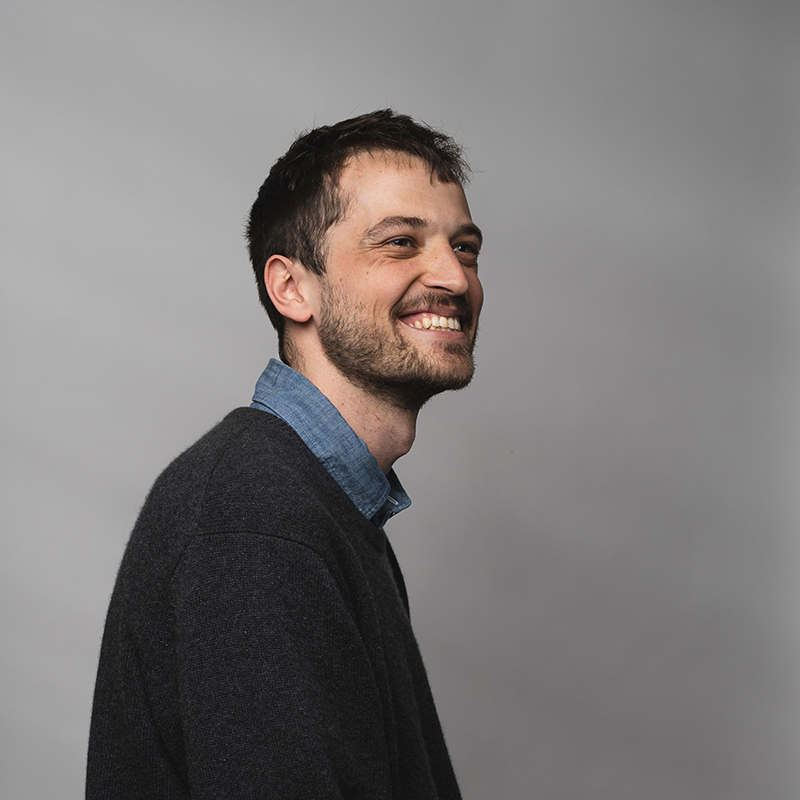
251	472
241	455
243	434
185	479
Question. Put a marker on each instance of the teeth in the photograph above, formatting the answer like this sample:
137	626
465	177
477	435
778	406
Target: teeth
439	323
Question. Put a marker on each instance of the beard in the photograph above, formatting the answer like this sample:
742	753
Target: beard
388	365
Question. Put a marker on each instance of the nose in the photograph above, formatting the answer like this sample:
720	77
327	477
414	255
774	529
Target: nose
445	272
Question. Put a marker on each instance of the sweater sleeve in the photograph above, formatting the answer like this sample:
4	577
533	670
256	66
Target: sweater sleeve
277	688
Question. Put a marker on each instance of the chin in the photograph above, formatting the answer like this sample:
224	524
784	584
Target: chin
421	379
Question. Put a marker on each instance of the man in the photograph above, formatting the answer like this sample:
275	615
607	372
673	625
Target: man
258	643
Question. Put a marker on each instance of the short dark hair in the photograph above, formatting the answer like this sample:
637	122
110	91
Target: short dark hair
300	199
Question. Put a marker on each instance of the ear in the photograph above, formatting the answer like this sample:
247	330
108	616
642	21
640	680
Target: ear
287	282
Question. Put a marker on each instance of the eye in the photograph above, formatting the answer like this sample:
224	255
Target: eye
468	248
401	241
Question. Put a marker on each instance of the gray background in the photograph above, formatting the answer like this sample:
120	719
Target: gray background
602	551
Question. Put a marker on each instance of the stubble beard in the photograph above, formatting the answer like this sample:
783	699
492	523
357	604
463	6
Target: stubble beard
386	364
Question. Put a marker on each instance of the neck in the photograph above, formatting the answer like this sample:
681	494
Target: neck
386	429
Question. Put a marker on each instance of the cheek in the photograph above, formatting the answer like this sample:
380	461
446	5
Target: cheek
476	296
382	289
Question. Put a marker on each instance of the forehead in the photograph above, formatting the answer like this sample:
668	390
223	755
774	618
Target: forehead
392	184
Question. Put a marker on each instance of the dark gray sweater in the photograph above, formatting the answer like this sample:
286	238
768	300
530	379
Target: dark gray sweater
258	643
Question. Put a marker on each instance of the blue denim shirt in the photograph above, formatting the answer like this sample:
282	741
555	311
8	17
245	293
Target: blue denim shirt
293	398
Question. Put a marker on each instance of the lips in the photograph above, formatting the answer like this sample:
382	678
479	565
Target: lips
433	322
433	312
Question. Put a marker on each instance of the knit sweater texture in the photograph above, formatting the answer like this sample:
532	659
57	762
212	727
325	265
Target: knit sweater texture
258	643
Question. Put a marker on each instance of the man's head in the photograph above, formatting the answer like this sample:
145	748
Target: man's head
320	204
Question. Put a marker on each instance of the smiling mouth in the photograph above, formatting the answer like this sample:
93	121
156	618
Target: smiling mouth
433	322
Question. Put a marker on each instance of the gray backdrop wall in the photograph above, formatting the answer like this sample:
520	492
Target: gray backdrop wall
602	552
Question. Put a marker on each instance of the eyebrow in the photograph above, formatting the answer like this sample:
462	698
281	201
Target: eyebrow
388	224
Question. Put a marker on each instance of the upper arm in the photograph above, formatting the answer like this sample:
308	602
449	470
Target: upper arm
276	682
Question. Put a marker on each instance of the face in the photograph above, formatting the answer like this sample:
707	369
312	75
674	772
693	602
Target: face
400	299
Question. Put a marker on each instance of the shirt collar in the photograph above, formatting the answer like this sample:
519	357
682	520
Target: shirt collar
293	398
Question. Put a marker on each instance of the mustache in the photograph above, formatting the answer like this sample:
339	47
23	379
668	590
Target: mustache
458	303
